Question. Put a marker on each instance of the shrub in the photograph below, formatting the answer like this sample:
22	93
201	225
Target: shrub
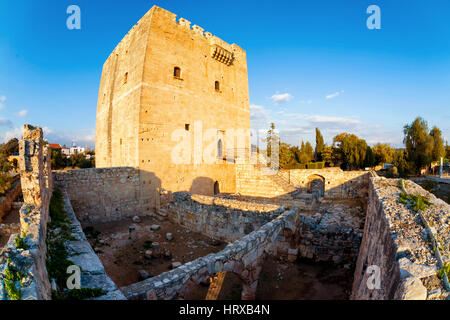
315	165
5	183
446	269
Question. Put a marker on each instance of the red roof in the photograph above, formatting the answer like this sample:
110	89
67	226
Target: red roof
55	145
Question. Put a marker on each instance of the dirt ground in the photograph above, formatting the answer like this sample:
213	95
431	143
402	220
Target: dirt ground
123	258
303	280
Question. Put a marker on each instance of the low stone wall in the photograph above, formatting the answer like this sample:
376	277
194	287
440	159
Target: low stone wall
82	255
103	194
329	237
396	243
243	257
338	184
7	200
220	218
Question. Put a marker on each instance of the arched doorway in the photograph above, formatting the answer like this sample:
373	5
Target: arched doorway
316	185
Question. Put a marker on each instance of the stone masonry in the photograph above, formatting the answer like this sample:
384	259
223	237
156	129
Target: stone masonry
396	241
34	215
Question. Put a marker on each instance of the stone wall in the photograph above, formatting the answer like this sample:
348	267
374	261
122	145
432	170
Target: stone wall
255	181
7	200
339	184
34	215
243	257
328	236
104	194
220	218
80	252
396	241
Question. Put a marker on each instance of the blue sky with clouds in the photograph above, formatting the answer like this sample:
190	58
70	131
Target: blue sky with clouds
310	63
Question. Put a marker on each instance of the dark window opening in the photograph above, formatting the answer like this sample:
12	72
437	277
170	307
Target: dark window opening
216	188
186	127
219	148
125	78
177	72
217	86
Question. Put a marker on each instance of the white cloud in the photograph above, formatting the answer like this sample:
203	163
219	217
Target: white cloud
320	119
66	137
22	113
14	133
259	116
281	97
334	95
5	123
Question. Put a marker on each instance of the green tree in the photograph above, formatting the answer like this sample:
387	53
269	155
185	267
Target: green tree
286	156
5	183
306	153
383	152
404	167
351	151
418	143
370	158
438	144
12	146
57	160
327	154
319	146
272	138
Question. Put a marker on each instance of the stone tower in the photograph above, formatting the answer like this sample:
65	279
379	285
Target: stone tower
168	82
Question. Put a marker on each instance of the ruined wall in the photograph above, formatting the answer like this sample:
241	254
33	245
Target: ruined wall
34	214
80	252
11	195
396	241
218	218
338	184
243	257
104	194
328	237
144	110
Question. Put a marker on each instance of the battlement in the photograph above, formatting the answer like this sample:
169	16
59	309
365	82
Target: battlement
224	54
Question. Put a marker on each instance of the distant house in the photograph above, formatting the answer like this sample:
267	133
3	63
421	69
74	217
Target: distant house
74	150
55	146
65	151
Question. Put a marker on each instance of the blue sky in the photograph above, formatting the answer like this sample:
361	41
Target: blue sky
310	63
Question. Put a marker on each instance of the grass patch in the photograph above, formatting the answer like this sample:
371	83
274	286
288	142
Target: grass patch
446	269
20	243
60	231
11	277
414	202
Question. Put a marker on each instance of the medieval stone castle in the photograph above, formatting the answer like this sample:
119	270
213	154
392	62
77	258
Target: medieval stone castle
167	77
171	228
